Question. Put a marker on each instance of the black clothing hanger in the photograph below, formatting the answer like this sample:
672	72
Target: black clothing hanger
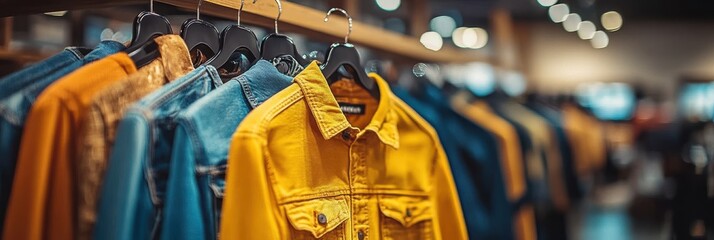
236	38
147	26
200	35
275	45
345	54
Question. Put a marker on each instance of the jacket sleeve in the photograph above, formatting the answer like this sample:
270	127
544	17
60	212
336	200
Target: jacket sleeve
183	218
250	210
448	207
41	204
125	207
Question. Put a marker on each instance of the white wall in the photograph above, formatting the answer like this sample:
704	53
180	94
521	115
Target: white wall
655	54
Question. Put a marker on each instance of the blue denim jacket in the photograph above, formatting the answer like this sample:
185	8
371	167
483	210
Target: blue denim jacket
197	177
134	187
474	159
18	92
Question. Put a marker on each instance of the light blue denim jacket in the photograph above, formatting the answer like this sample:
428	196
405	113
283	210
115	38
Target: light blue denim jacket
18	92
198	163
132	196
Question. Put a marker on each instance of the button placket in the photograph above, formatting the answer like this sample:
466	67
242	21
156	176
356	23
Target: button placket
360	206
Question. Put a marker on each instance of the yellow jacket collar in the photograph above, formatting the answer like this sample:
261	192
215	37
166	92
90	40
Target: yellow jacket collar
329	117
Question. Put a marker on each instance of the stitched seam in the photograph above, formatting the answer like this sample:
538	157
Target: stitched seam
164	97
261	128
148	170
311	102
75	51
247	91
260	132
337	128
215	77
268	168
346	192
195	140
423	124
282	105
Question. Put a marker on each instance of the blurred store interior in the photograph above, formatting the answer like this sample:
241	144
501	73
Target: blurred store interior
643	69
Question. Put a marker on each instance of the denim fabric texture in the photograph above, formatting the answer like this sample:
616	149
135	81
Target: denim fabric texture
474	158
132	196
18	92
199	160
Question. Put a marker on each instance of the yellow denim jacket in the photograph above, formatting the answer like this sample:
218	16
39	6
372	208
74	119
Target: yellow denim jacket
300	168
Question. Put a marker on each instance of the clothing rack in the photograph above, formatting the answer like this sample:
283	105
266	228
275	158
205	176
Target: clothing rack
294	18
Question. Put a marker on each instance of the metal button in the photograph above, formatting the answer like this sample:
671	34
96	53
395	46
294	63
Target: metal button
408	213
321	218
346	135
360	235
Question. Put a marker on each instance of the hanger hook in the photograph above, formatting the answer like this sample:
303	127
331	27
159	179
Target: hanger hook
349	21
151	6
280	12
198	10
241	9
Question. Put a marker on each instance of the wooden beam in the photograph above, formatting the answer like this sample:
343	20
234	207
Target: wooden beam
310	22
10	8
351	6
295	18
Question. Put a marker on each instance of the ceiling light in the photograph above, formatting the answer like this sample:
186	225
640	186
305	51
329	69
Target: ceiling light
470	38
481	38
389	5
458	37
444	25
432	41
558	12
600	40
612	21
56	14
586	30
547	3
572	22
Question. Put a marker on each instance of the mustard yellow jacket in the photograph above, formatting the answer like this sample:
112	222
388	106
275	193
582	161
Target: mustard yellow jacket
300	168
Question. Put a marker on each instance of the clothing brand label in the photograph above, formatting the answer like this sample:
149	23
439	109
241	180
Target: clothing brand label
348	108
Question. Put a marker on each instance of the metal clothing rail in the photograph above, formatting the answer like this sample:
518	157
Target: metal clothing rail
295	18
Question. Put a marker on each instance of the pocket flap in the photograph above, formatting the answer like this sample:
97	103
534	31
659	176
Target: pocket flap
318	216
407	210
